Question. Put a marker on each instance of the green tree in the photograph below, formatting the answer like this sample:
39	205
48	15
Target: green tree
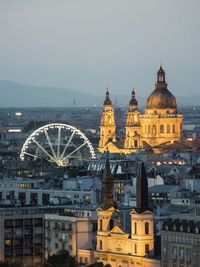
61	259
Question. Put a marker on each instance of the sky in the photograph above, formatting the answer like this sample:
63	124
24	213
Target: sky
88	45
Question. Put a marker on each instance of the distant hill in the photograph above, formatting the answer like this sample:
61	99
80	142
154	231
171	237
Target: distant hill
14	94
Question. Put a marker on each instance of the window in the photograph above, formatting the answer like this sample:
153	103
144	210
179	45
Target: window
146	248
146	226
168	128
56	245
173	129
135	143
162	129
111	224
100	244
63	226
135	225
100	225
174	253
135	248
56	235
154	129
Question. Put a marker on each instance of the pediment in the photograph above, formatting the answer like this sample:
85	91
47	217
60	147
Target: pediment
117	230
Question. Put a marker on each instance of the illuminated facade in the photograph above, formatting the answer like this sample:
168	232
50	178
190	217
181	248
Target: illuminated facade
115	246
160	123
107	126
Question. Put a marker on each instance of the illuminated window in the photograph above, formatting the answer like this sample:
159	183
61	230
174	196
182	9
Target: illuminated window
8	242
154	129
162	129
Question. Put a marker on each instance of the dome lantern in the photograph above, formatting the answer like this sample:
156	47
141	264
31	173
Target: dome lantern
161	84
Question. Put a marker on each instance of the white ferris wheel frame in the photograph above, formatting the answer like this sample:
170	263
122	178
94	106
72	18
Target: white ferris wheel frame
57	156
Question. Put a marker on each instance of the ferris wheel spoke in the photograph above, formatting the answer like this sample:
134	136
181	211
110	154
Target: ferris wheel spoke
44	150
79	147
58	142
29	154
66	146
49	142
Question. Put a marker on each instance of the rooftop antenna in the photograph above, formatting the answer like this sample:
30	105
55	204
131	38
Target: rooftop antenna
74	103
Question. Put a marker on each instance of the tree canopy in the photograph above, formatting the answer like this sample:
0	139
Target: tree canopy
61	259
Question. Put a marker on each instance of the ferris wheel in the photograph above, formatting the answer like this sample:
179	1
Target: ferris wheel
57	143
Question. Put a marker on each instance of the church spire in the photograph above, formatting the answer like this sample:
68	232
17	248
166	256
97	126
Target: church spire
107	100
107	187
133	105
141	188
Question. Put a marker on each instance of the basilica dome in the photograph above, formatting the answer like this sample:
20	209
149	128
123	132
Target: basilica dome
161	97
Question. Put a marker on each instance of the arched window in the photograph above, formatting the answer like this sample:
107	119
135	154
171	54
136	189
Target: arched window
135	143
173	128
168	128
149	128
162	128
154	129
100	225
146	227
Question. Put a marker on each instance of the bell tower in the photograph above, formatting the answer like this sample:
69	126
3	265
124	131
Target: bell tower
133	127
107	210
142	223
107	125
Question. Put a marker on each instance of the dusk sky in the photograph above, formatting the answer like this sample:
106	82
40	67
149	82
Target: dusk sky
88	44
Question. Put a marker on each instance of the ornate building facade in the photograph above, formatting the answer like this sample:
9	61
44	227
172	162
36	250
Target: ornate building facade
160	124
116	247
